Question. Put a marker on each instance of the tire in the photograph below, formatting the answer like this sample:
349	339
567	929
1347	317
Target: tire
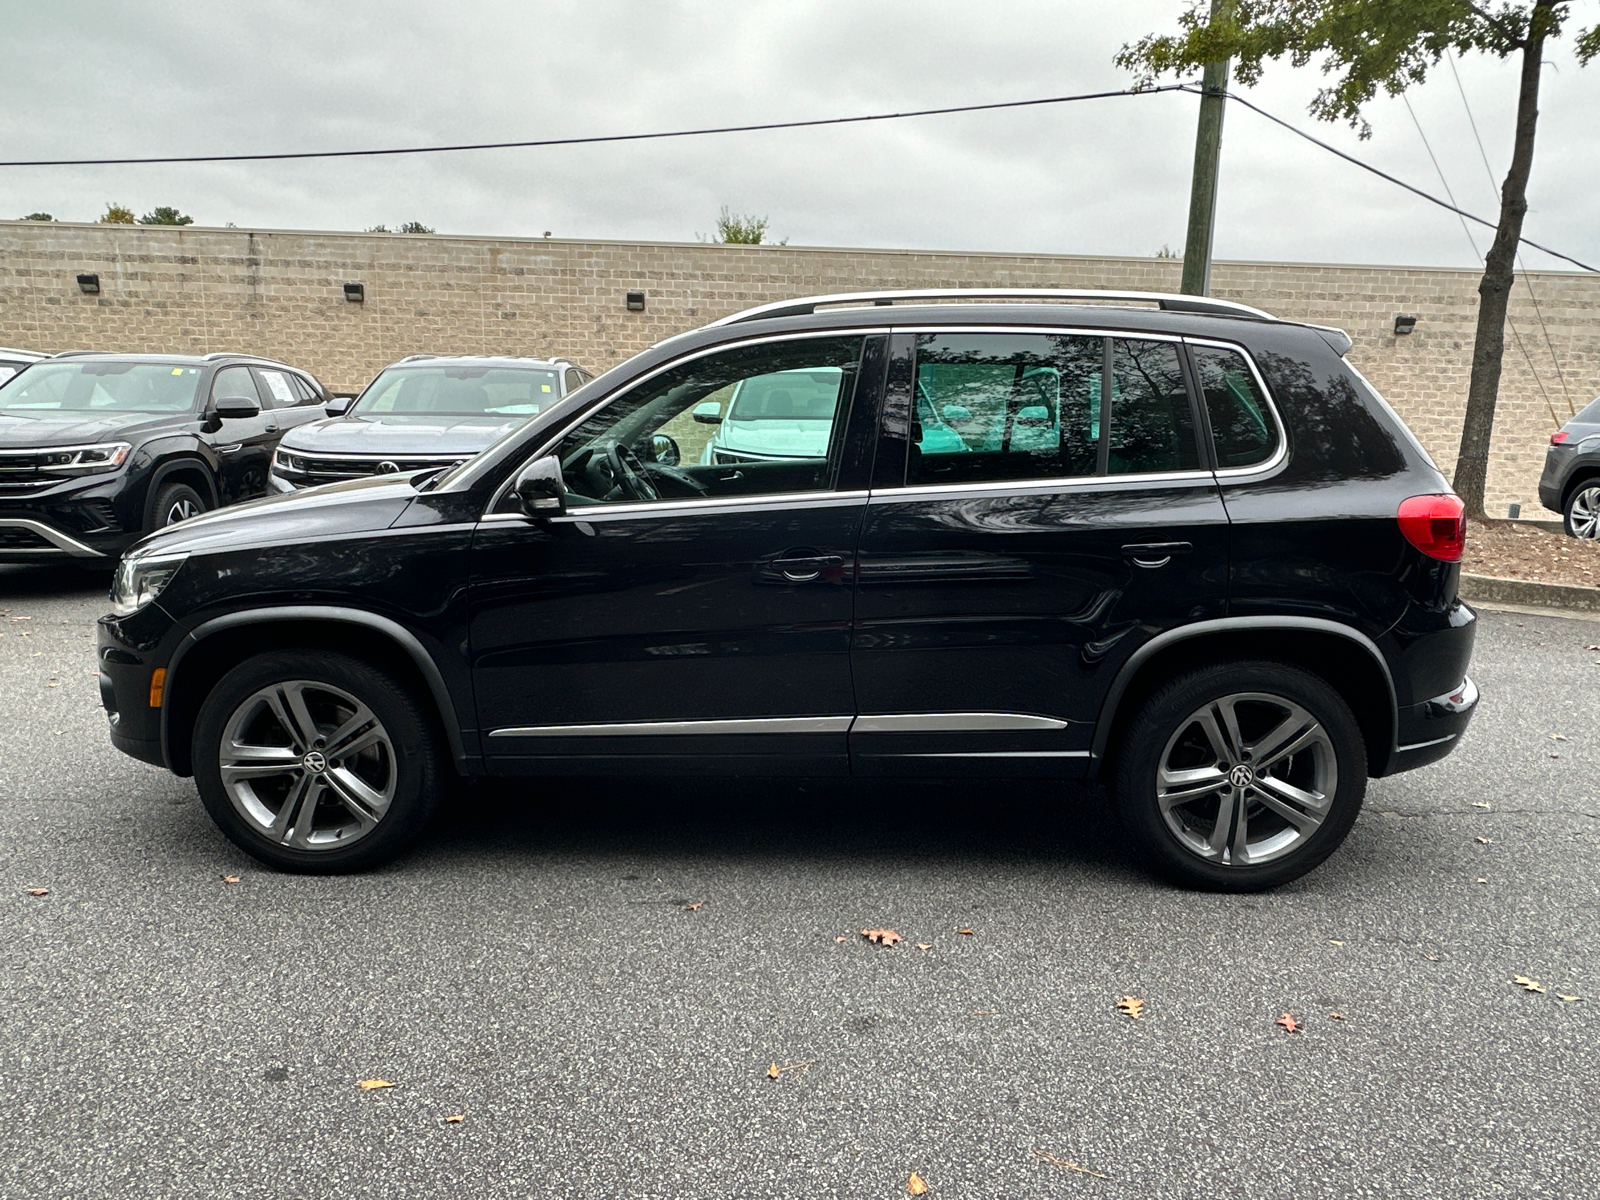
365	806
1581	513
175	502
1209	726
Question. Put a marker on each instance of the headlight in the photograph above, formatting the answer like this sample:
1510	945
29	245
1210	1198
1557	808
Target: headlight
140	580
85	460
291	463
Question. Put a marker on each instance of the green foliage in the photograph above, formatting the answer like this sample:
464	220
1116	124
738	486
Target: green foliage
165	215
1166	251
740	230
117	214
378	229
37	217
1363	45
416	227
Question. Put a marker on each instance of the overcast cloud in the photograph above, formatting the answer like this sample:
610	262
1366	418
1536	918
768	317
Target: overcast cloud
88	78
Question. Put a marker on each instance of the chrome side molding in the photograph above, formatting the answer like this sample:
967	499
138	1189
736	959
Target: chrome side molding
959	722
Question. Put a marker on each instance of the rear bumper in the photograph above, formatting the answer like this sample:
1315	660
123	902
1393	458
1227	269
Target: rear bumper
1432	729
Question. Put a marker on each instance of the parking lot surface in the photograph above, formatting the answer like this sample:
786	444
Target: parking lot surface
598	976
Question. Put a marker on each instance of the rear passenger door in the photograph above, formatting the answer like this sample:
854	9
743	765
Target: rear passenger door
1029	528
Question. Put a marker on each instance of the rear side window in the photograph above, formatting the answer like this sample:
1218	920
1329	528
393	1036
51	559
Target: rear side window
279	387
992	407
1242	428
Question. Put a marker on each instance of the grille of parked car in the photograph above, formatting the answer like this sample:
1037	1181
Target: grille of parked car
330	468
22	471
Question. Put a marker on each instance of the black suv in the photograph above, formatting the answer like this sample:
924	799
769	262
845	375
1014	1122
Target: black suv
1182	548
99	449
424	411
1570	484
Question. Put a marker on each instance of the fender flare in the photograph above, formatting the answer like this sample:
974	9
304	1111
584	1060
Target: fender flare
393	630
1163	641
189	457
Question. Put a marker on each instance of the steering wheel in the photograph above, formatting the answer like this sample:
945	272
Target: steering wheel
618	474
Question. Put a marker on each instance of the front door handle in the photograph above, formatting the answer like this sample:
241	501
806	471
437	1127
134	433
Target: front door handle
1154	554
807	569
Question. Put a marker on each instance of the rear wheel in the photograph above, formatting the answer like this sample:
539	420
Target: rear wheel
1582	515
1241	777
317	762
176	502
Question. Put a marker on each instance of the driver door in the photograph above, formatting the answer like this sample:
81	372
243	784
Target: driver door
683	614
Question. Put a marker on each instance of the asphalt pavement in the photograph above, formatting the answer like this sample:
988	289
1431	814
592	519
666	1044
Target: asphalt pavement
596	977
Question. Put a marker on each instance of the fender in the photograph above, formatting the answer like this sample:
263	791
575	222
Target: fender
393	630
190	456
1162	641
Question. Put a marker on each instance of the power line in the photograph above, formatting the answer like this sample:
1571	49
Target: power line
589	141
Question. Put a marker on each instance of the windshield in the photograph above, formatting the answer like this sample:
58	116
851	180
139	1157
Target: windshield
460	391
101	387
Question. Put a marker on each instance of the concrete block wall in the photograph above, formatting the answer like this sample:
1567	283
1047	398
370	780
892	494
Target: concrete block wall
280	293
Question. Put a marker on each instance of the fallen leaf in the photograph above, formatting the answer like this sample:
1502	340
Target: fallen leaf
1485	841
230	879
883	937
369	1085
1067	1164
773	1072
965	932
38	891
924	945
1526	984
915	1186
1131	1005
843	937
1592	647
1335	942
1337	1016
1559	737
53	683
695	906
1568	999
1288	1022
1430	957
455	1118
1555	756
1480	804
1482	880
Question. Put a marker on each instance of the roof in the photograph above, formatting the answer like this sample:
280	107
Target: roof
503	360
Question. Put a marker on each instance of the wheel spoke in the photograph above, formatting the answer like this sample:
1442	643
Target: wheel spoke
355	735
1210	721
1217	843
1179	787
1285	792
1239	852
1305	823
284	823
1310	736
1267	749
363	802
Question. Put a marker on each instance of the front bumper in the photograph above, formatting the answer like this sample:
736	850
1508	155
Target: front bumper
29	539
129	651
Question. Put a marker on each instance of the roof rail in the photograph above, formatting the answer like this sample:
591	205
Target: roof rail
1166	300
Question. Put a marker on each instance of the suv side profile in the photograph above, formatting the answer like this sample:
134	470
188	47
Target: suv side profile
96	450
1224	583
1570	484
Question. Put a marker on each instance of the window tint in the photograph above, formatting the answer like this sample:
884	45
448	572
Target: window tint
235	382
761	419
279	388
1241	425
304	389
1152	426
995	406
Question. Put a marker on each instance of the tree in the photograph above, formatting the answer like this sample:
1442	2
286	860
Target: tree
1392	44
165	216
117	214
740	230
416	227
37	217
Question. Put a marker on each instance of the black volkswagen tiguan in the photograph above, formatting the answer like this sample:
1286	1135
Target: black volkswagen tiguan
1170	543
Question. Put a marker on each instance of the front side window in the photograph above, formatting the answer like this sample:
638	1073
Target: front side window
460	391
234	383
102	387
992	407
1242	428
760	419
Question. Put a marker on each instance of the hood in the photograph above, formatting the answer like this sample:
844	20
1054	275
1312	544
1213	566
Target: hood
360	506
24	429
400	433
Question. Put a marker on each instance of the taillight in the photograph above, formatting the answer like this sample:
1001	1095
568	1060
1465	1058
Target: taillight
1436	525
1558	437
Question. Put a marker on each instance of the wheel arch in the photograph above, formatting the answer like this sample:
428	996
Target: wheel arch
215	647
187	468
1585	471
1362	679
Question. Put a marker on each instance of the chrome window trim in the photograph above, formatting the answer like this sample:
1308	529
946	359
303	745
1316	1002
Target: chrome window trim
1042	487
465	479
690	508
737	725
1102	331
1281	455
952	722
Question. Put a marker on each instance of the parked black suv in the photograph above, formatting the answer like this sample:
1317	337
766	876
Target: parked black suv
424	411
99	449
1184	549
1570	484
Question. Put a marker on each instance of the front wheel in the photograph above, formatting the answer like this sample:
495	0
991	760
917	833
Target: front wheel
176	502
316	762
1582	515
1239	778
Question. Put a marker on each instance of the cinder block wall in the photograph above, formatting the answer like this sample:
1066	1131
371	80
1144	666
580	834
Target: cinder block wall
281	294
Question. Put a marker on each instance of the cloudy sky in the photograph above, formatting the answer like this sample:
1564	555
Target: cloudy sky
89	78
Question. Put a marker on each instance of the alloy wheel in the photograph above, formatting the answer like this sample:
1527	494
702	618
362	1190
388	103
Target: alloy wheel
1246	779
1583	513
308	765
181	510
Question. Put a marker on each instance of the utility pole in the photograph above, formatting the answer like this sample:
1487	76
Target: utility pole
1203	186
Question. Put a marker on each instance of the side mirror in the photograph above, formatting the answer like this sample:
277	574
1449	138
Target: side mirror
708	412
338	406
665	451
540	488
235	407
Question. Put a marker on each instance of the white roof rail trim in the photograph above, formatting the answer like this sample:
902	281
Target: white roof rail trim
1169	301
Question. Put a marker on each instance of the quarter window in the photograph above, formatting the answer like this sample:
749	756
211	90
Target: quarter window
1242	428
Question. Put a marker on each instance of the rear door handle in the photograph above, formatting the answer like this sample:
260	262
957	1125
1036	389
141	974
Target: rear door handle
1154	554
805	570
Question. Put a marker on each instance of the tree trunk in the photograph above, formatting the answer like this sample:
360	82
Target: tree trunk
1494	291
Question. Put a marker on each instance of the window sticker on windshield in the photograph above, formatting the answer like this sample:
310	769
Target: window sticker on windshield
544	387
177	370
279	386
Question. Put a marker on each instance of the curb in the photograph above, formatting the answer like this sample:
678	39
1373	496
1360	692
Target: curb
1526	591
